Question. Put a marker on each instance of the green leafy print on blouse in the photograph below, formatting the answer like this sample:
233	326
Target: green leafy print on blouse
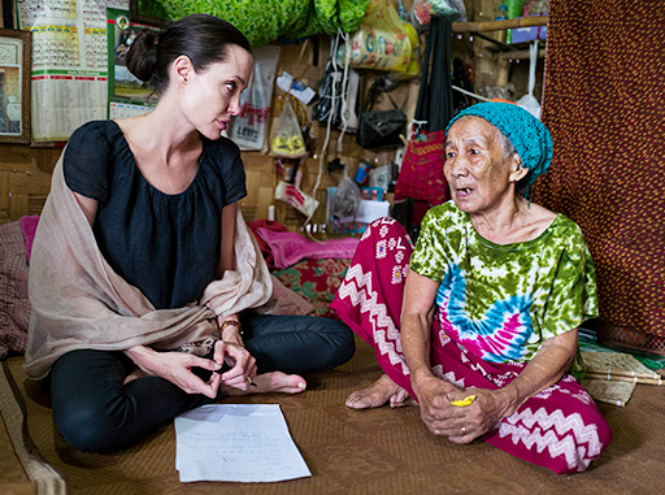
501	302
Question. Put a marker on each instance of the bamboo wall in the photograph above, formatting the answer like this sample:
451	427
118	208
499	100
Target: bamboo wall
25	179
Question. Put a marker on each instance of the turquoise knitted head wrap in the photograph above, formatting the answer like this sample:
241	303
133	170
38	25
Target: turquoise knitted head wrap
529	136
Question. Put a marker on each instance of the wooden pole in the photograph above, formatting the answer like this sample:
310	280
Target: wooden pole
464	27
519	55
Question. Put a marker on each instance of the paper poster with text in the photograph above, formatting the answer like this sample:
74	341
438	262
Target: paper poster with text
69	64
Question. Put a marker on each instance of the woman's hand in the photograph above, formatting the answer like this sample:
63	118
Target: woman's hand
243	365
466	423
461	424
176	367
434	398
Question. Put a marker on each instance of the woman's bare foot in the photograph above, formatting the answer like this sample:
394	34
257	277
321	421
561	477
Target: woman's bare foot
378	393
275	382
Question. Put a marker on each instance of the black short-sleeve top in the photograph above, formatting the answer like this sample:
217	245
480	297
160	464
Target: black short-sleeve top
166	245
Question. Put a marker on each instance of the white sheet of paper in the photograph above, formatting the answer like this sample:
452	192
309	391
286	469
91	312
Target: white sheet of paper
236	442
368	210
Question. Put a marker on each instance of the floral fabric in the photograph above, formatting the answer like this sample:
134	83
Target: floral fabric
317	281
501	302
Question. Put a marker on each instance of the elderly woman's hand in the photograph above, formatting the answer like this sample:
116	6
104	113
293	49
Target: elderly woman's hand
463	424
433	396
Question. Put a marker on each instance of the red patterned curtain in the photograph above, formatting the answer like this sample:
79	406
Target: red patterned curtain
604	104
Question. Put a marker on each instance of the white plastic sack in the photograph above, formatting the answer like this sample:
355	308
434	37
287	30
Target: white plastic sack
287	139
529	102
249	130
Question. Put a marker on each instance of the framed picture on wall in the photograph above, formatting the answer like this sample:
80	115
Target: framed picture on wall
14	86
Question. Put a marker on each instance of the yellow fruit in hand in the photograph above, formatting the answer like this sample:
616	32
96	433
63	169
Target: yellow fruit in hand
466	401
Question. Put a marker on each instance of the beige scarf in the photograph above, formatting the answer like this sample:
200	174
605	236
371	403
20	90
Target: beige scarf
79	302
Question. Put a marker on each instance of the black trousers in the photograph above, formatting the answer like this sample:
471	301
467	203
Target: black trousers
95	412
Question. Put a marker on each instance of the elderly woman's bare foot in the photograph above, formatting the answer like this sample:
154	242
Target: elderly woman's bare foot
275	382
381	391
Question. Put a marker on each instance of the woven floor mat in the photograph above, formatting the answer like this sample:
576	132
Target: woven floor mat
381	451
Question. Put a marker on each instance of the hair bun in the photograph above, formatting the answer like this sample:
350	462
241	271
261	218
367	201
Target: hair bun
142	56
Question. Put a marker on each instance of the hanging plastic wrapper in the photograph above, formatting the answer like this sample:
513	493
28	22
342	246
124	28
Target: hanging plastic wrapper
529	102
287	140
249	130
424	9
381	42
293	195
345	202
344	104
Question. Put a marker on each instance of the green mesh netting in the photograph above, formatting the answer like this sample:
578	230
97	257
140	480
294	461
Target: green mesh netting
263	21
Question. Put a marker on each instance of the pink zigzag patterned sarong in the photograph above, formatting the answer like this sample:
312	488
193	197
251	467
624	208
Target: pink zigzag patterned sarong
560	428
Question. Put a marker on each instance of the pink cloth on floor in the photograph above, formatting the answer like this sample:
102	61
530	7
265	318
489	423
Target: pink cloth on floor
288	247
560	428
29	227
263	245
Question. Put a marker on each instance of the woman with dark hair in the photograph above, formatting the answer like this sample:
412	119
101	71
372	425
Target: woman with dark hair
479	322
142	266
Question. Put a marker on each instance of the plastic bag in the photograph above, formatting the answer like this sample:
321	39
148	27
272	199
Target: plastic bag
287	140
346	200
294	196
423	10
346	95
249	130
381	42
529	102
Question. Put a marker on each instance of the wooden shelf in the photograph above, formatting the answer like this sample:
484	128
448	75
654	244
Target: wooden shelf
465	27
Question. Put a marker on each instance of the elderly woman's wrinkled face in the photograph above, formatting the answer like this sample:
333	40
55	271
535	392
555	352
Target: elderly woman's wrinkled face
476	168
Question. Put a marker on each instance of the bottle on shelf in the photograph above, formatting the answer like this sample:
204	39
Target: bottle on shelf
514	9
500	35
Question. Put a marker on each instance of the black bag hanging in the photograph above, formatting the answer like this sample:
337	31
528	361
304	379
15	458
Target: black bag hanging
435	100
381	128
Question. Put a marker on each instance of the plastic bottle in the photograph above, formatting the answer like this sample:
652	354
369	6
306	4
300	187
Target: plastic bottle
500	35
514	10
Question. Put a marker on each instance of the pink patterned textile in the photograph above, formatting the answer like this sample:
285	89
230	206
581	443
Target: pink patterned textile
14	303
288	248
560	428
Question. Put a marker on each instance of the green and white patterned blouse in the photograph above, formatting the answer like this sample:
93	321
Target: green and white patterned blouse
501	302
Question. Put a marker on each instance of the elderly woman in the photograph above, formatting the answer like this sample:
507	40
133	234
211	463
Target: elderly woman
483	330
